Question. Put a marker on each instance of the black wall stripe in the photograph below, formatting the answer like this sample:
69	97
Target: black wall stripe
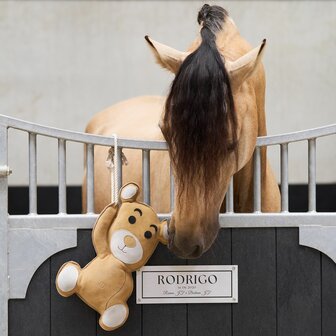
47	199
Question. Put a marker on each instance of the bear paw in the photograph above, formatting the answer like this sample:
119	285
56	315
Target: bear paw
67	277
114	317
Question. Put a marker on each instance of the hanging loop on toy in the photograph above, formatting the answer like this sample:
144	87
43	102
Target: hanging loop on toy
112	165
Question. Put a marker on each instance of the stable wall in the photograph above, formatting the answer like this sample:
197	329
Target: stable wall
62	61
284	289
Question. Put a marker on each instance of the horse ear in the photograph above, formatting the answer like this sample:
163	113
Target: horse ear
243	67
167	57
129	192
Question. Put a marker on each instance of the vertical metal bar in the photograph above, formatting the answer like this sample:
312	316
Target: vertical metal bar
172	189
90	178
32	174
61	176
119	153
312	174
284	177
229	197
146	175
4	281
257	181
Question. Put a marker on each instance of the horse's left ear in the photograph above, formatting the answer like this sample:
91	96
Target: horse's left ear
169	58
129	192
163	232
242	68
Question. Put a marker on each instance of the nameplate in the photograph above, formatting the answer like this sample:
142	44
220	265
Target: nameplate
187	284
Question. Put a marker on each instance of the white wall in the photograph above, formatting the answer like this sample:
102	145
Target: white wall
62	61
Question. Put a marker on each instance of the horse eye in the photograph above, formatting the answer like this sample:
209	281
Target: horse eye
131	219
148	234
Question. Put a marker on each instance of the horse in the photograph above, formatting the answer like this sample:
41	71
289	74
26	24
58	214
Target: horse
211	118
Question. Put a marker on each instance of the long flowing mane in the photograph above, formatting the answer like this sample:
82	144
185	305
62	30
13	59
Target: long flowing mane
200	122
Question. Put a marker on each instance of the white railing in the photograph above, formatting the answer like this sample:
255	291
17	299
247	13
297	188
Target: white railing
18	233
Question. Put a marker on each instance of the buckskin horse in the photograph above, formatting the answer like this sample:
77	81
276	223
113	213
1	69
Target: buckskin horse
211	118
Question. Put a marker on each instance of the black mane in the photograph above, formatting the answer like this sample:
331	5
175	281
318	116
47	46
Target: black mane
200	122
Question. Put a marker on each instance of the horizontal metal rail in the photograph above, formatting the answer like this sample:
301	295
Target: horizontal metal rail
152	145
227	220
312	133
79	136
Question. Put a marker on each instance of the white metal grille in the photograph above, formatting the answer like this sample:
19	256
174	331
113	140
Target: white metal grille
317	229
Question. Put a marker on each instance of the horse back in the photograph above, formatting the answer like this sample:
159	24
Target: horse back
136	118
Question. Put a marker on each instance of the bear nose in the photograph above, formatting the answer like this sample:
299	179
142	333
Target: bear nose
129	241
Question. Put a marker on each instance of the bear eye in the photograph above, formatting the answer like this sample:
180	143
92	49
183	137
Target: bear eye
148	234
131	219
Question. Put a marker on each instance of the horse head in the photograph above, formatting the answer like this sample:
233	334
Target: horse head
210	123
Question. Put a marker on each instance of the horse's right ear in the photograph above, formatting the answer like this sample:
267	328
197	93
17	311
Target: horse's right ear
169	58
129	192
242	68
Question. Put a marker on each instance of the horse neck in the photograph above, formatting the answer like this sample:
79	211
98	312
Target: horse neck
234	46
243	180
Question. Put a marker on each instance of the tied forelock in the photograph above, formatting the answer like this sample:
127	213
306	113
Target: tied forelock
212	17
200	121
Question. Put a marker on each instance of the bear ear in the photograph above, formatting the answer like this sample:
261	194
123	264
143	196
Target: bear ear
129	192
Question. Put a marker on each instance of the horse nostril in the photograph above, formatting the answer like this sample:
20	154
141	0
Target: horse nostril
184	248
197	252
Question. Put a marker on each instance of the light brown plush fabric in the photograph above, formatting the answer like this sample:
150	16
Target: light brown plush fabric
124	238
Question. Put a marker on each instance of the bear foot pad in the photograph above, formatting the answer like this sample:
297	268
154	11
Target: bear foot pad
114	317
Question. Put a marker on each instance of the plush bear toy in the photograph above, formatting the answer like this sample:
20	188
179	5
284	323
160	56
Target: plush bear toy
124	238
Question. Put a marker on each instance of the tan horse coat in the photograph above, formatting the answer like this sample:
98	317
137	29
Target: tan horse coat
138	118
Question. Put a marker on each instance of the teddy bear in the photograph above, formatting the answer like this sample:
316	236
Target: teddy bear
124	237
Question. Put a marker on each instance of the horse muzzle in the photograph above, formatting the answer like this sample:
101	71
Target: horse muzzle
191	244
183	246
